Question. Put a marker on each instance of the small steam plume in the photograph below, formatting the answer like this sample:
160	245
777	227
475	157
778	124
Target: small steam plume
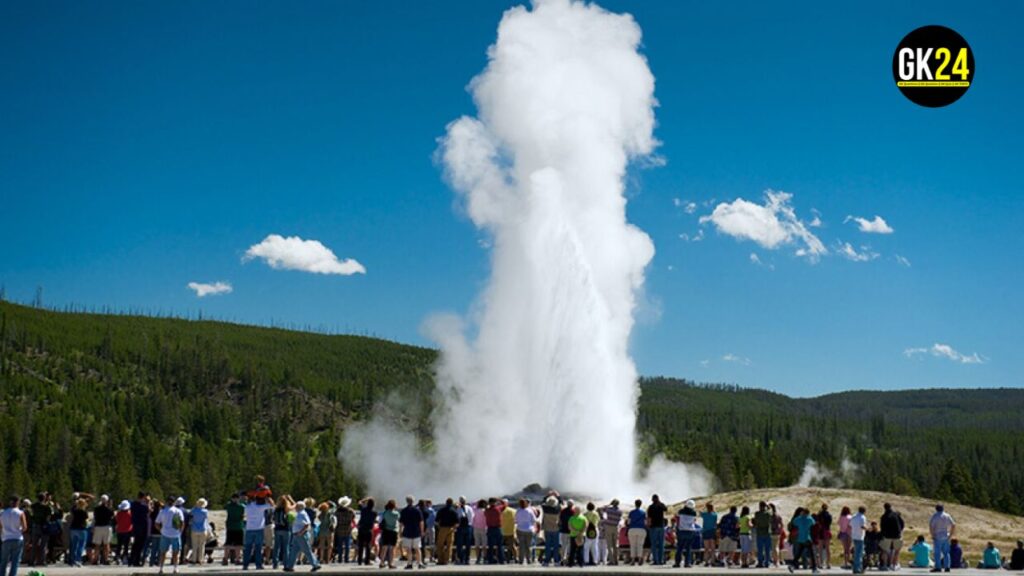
815	474
543	390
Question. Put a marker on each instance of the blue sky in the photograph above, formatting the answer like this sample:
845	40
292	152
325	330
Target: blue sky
146	145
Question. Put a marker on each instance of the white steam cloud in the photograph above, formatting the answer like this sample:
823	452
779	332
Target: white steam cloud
815	474
203	289
543	390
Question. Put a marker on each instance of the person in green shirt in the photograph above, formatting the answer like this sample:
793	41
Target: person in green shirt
922	553
577	530
990	558
234	530
745	540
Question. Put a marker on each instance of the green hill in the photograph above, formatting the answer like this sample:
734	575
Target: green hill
112	403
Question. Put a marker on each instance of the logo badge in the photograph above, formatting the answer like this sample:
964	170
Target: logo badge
933	66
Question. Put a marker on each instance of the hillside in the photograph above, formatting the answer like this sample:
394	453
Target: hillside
975	526
111	403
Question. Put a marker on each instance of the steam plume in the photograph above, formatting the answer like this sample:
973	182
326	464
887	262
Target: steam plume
545	390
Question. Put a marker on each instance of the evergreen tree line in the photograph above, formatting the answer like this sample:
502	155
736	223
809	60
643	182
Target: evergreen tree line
114	404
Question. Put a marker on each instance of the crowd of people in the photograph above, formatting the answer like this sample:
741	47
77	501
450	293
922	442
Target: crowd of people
286	532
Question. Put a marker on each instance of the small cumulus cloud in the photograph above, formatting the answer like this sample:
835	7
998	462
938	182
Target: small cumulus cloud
294	253
946	351
756	260
846	250
203	289
692	237
816	221
902	260
687	206
770	225
876	226
730	357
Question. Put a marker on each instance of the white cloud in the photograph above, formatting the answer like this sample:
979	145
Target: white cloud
688	207
770	225
294	253
756	260
850	253
203	289
816	221
946	351
902	260
692	237
730	357
876	226
705	363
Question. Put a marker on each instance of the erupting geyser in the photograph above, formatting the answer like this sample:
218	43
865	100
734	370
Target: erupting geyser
546	391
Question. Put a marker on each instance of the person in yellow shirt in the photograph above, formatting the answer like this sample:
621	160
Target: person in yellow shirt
591	555
508	532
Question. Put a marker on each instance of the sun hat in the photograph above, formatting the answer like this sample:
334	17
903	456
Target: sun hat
124	505
344	501
201	502
179	501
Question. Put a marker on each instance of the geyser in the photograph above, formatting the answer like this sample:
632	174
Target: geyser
545	391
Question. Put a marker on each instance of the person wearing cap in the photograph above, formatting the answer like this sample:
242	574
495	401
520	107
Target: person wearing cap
200	526
550	511
123	528
942	528
344	520
102	530
170	523
302	531
611	517
13	527
686	533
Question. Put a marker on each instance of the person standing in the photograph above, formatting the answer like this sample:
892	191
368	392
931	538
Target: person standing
463	531
102	530
611	518
508	531
577	534
169	523
686	533
778	530
590	535
657	521
140	528
344	518
388	534
200	525
282	519
301	539
42	512
526	525
495	547
844	535
563	530
824	546
364	534
729	533
79	532
891	526
550	512
413	525
763	534
479	520
804	544
636	525
746	540
234	525
447	520
858	529
709	533
123	526
13	527
942	528
256	512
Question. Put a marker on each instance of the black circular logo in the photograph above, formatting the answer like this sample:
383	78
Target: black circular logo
933	66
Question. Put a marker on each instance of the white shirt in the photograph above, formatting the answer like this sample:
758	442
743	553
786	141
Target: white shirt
10	518
858	524
166	521
300	522
686	522
525	520
256	515
941	525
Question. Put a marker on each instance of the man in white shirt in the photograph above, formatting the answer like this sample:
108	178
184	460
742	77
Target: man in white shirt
302	528
858	526
942	528
256	512
170	522
13	526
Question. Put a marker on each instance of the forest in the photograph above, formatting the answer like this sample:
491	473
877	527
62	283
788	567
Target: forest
110	403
